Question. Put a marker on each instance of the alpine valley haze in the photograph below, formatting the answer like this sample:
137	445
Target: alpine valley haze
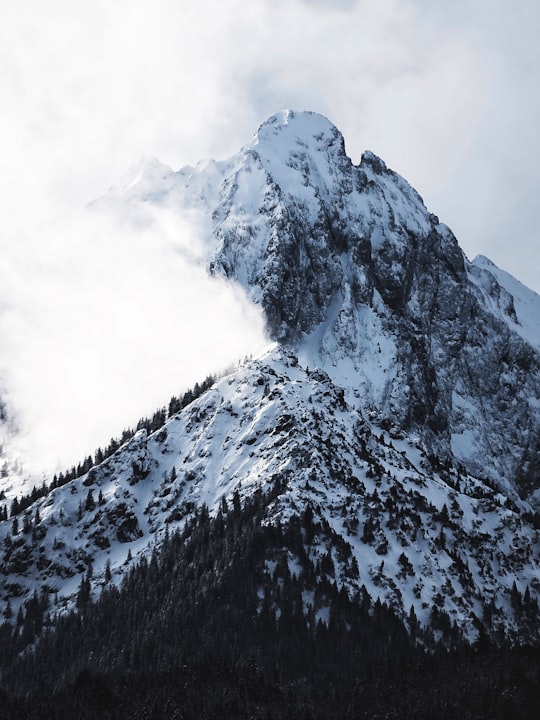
377	467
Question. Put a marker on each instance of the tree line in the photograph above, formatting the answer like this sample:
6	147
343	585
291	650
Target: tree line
235	618
151	424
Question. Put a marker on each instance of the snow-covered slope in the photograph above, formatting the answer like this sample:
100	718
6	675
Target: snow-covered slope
513	302
419	536
356	276
401	401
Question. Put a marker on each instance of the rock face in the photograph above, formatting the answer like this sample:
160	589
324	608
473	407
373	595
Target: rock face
401	404
356	276
346	258
414	533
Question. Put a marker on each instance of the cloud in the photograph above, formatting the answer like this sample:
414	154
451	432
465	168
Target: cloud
94	85
446	94
105	322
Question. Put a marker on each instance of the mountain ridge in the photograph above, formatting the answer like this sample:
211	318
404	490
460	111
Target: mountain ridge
342	251
400	402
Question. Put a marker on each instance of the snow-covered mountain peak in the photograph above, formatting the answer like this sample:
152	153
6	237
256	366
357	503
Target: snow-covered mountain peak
288	128
400	403
300	152
378	165
356	276
143	176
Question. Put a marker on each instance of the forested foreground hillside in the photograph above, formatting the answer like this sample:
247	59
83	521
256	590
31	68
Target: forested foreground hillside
232	619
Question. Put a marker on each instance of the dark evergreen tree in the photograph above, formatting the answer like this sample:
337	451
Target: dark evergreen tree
90	503
27	523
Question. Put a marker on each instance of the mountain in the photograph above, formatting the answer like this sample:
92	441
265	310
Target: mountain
398	405
359	279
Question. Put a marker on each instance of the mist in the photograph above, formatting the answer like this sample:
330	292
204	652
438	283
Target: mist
106	319
99	323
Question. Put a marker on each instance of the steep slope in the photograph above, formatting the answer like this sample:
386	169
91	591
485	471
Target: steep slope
400	404
214	624
357	277
416	536
356	272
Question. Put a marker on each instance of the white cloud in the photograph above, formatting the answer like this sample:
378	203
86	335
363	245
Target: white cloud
105	322
446	94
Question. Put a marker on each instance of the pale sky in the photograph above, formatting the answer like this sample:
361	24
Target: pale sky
446	93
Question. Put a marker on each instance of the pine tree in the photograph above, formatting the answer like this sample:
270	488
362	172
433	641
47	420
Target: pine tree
27	523
8	611
90	503
83	596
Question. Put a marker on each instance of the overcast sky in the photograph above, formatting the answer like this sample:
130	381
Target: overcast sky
446	93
